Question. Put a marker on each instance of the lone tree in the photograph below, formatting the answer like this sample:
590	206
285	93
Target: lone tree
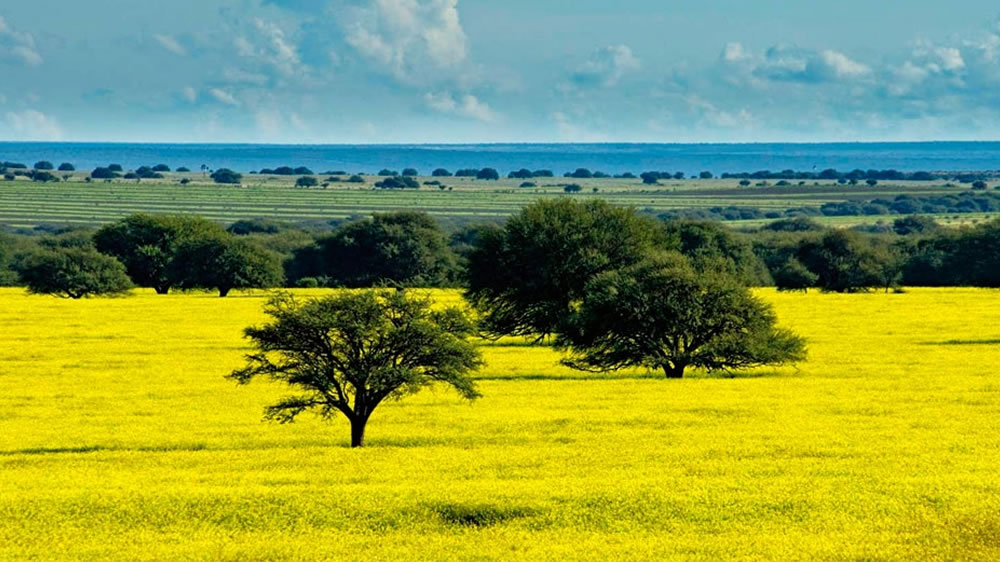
350	352
662	315
73	272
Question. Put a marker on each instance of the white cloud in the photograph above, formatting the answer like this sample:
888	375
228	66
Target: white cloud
32	125
840	66
607	66
272	47
734	52
170	44
190	94
18	45
406	37
950	58
468	106
223	96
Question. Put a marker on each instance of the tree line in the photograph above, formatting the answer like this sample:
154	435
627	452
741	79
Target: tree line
412	249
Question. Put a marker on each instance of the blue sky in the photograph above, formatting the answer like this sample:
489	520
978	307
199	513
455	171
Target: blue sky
376	71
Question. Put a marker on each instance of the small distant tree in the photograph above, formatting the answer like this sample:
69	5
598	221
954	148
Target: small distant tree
650	178
302	171
793	276
745	183
73	272
441	173
348	353
66	167
226	176
104	174
582	173
872	182
355	179
522	174
183	169
662	315
573	188
386	173
979	184
161	168
411	172
488	174
542	174
44	177
225	263
306	181
706	175
115	167
44	165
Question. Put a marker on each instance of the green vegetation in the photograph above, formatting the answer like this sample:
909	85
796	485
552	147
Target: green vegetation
351	352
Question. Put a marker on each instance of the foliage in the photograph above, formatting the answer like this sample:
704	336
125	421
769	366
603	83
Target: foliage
524	277
793	276
844	261
403	248
352	351
306	181
104	174
148	244
488	174
73	272
225	263
662	315
713	248
226	176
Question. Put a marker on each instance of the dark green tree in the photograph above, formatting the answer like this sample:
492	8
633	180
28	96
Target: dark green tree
226	176
348	353
44	165
403	248
844	261
793	276
73	272
225	263
663	315
714	248
147	245
306	181
488	174
525	277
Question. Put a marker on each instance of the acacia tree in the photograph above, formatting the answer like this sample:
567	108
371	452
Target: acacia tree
350	352
662	315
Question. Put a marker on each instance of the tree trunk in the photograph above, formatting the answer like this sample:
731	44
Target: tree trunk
224	291
358	432
674	371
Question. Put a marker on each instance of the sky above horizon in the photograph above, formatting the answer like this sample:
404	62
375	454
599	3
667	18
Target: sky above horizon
466	71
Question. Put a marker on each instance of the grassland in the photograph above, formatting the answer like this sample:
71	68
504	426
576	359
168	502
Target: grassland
26	204
120	439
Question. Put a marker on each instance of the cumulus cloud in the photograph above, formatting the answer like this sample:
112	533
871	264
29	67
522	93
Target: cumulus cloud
169	43
607	66
223	97
467	106
33	125
190	94
18	45
786	63
408	38
270	46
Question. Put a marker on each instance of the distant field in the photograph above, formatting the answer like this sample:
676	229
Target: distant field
120	439
27	204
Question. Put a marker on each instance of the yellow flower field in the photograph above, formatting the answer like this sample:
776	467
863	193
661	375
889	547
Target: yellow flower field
120	439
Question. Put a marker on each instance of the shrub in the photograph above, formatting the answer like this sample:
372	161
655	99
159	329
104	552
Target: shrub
67	167
226	176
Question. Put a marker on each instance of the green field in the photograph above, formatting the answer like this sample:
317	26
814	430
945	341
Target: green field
120	439
26	204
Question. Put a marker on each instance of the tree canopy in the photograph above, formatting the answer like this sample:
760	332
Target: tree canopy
524	277
73	272
661	314
224	263
348	353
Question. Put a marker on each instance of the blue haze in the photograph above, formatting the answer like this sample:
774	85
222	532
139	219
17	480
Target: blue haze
609	158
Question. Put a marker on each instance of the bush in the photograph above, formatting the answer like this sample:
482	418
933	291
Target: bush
411	172
542	174
521	174
488	174
355	179
182	169
529	184
44	165
226	176
385	173
306	181
398	182
67	167
581	173
73	272
573	188
115	167
302	171
104	174
161	168
441	173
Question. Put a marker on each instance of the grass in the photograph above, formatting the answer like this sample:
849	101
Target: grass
26	204
120	438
